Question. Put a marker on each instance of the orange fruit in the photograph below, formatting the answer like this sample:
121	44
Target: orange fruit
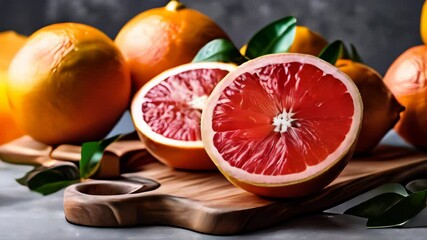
423	23
162	38
10	43
68	84
166	113
8	128
305	41
407	80
380	108
282	125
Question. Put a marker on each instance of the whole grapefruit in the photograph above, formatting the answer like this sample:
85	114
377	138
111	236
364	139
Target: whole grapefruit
161	38
407	80
68	84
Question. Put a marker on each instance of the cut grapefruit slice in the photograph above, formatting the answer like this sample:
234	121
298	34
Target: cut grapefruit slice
166	113
282	125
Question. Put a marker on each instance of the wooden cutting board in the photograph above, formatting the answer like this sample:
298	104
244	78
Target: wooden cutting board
202	201
208	203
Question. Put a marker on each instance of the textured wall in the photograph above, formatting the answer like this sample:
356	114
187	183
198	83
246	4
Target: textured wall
380	29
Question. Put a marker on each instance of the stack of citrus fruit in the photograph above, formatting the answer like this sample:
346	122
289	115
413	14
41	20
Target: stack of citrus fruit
281	125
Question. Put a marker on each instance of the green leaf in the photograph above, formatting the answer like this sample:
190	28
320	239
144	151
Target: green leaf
332	52
375	206
276	37
53	187
401	212
219	50
417	185
47	180
355	55
91	155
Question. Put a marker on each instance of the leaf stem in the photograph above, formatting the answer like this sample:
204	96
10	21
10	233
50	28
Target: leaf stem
174	5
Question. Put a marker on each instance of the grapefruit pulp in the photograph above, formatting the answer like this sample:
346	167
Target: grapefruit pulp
166	113
282	125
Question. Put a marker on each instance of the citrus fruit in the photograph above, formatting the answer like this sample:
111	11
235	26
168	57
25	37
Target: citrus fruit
166	113
380	108
305	41
423	23
68	84
407	80
282	125
8	128
162	38
10	43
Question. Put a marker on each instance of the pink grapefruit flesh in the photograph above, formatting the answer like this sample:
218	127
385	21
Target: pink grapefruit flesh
282	125
167	111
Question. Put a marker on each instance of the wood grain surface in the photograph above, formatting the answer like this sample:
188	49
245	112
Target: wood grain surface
206	202
142	191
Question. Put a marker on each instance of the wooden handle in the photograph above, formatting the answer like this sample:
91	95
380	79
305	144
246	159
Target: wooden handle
127	155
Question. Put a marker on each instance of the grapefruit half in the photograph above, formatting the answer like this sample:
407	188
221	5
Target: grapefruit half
282	125
167	110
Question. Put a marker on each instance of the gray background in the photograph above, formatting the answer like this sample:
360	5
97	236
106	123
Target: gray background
380	29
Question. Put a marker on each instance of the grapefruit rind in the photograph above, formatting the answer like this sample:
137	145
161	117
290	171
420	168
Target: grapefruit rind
186	154
345	149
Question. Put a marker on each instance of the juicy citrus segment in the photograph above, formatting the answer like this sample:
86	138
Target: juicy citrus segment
167	112
174	107
280	120
292	123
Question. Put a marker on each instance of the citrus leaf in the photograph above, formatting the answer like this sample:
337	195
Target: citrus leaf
332	52
276	37
401	212
53	187
219	50
417	185
91	155
374	206
355	55
47	180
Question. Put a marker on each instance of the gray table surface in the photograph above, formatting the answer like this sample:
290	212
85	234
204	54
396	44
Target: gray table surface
28	215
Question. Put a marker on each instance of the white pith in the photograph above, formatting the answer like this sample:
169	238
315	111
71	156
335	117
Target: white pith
198	102
137	114
283	121
311	171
